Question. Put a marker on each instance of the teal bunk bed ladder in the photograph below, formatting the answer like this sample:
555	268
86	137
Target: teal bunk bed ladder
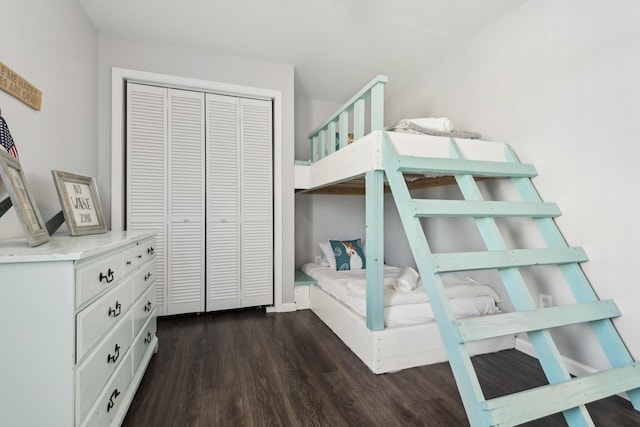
564	393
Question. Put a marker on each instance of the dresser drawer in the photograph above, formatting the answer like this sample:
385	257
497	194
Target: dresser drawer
139	254
148	249
94	372
96	319
144	340
142	308
93	278
144	277
131	258
112	396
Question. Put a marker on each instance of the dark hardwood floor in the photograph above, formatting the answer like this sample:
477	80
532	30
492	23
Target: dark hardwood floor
249	368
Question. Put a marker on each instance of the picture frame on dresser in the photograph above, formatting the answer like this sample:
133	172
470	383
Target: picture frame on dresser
15	183
80	202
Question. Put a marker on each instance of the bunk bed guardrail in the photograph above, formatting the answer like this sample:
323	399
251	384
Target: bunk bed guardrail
351	116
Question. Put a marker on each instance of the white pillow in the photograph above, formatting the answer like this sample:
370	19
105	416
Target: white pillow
328	254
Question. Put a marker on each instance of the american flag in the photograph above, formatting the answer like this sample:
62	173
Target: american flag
6	140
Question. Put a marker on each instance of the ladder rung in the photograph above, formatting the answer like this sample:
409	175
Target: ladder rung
412	164
480	209
465	261
539	402
482	327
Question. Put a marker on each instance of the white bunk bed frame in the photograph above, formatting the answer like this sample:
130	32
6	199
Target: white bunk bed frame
383	154
381	349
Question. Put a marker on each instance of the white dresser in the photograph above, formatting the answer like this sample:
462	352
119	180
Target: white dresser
77	328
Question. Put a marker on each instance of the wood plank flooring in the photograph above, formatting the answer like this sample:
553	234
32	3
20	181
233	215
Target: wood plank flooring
249	368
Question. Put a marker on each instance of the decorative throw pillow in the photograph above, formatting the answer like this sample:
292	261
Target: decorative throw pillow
348	254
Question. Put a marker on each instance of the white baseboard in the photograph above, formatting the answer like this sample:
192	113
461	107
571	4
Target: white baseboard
283	308
575	368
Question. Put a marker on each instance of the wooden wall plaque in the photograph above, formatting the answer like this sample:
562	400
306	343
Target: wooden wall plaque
12	83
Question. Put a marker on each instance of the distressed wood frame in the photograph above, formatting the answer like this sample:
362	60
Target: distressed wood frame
16	185
82	209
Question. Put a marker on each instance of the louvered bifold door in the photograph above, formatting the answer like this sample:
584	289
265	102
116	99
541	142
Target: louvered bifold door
186	227
256	202
223	202
146	177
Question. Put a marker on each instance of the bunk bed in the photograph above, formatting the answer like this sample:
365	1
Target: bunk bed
391	159
341	166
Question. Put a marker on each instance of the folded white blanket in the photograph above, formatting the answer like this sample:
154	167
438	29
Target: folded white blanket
441	124
358	287
406	280
454	288
408	126
467	287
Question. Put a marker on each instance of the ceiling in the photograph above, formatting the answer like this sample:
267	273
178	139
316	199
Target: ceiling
336	46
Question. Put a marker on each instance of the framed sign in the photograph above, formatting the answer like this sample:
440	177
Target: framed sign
80	203
16	184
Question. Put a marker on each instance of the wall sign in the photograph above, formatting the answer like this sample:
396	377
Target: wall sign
16	86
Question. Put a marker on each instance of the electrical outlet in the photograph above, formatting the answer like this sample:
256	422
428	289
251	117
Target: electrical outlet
545	301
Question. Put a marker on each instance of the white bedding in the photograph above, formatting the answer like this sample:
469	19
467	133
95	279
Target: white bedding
468	298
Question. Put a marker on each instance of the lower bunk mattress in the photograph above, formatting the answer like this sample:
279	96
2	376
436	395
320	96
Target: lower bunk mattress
403	308
411	337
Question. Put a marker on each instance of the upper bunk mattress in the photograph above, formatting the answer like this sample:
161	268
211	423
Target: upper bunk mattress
365	154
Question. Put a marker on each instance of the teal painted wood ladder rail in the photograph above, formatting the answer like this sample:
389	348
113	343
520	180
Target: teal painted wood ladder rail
333	134
563	393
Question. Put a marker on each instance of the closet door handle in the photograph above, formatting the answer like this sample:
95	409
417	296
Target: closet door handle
116	351
106	277
111	403
151	250
147	339
147	306
147	276
115	312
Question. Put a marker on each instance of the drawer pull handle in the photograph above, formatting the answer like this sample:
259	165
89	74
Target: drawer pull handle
151	250
115	312
139	256
147	306
129	262
112	359
108	277
111	403
147	339
147	276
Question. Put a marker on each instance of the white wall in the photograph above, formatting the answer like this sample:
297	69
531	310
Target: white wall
54	46
309	115
559	81
190	63
210	66
321	217
312	211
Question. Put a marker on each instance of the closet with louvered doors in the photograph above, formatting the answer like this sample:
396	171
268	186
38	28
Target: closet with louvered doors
199	173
